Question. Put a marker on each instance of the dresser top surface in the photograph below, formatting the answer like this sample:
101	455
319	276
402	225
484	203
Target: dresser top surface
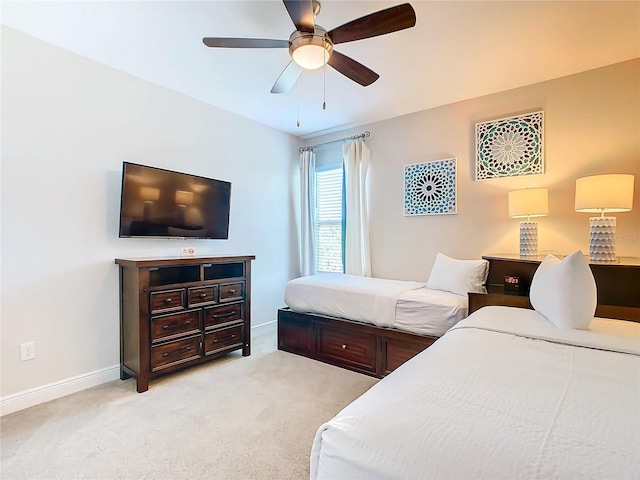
152	261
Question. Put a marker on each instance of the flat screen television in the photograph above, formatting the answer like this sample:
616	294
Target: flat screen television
166	204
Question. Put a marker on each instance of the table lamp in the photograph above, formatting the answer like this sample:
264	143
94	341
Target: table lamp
183	198
529	202
148	196
604	194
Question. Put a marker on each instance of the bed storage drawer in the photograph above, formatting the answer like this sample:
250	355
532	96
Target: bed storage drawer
347	347
348	344
397	351
296	335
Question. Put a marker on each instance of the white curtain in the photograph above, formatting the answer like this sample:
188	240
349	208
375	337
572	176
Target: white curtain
307	220
356	243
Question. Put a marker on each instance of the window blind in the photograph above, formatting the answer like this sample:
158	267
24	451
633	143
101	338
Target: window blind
329	220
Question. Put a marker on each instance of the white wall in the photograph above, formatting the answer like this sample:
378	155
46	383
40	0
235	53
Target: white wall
68	123
592	122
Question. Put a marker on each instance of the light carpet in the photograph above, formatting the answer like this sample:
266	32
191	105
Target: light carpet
234	418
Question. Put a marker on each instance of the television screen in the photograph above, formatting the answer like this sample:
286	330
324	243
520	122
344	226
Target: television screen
163	203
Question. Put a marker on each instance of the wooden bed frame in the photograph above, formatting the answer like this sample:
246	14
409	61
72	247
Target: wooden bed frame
377	351
357	346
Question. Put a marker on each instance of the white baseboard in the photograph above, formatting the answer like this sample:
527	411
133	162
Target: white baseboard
263	328
45	393
36	396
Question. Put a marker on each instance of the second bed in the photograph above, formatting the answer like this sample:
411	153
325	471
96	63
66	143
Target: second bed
404	305
373	325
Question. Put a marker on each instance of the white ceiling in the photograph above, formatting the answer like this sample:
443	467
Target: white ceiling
457	50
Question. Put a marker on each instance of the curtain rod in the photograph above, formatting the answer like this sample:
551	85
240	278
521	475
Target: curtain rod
352	137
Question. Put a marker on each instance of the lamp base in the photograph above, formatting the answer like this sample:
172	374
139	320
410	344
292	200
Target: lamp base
602	239
146	214
182	214
528	239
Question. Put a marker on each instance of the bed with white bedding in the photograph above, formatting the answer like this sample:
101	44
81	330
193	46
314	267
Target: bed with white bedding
373	325
503	394
405	305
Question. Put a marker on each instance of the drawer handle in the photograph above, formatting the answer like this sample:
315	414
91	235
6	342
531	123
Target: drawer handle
221	315
232	291
185	349
203	295
167	300
344	346
224	339
176	325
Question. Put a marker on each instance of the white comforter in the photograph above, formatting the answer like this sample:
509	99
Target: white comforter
482	403
399	304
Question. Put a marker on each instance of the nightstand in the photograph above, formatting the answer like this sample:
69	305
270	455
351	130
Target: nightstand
618	285
496	296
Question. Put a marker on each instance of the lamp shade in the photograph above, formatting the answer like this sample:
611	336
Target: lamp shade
183	197
149	193
604	193
529	202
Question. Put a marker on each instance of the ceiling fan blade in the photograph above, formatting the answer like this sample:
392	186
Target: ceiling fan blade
352	69
378	23
244	42
301	13
287	78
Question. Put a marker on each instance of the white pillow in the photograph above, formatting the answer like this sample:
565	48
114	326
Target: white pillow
458	276
565	291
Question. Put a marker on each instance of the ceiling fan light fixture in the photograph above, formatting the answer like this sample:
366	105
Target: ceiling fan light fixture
311	46
310	50
310	56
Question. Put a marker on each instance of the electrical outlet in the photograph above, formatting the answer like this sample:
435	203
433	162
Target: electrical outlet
187	252
27	351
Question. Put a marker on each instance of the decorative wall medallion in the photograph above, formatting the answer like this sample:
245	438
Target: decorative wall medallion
510	146
430	188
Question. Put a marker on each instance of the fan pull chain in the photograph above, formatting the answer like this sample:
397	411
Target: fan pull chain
324	76
298	96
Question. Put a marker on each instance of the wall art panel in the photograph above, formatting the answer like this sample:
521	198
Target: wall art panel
510	146
430	188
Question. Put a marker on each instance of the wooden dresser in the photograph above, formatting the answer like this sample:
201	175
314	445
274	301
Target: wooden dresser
178	312
618	285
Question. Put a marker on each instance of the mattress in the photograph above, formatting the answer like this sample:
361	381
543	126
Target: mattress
503	394
405	305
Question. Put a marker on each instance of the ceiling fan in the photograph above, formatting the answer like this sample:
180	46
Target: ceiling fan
311	46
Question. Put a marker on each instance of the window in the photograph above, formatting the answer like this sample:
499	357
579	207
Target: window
329	219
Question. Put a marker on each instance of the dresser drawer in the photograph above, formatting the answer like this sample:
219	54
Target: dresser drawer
224	339
231	291
202	295
175	353
346	347
221	314
166	301
165	327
